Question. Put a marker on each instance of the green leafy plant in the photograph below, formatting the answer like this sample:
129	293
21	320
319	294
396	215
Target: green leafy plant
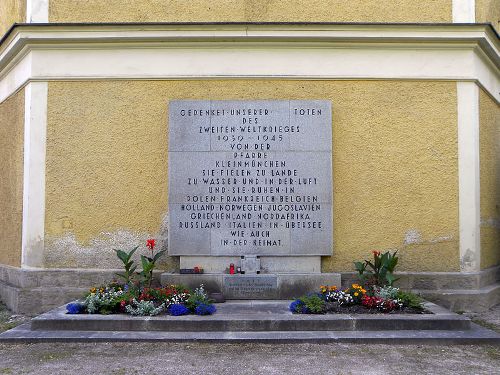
380	272
314	304
128	265
148	263
198	297
410	299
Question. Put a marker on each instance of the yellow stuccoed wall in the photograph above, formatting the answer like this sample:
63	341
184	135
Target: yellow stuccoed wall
250	11
489	136
488	11
11	11
11	178
394	160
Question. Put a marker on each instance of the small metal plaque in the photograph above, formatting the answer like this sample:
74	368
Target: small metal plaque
250	287
250	264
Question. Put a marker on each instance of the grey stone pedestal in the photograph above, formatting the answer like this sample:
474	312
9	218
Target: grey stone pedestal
263	286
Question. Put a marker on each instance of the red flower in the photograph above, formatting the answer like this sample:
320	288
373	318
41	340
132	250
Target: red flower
376	253
150	244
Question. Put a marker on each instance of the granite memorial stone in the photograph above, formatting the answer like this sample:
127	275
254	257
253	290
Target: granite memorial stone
250	177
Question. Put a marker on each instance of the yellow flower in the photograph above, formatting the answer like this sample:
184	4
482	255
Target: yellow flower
363	291
333	288
92	290
355	286
356	294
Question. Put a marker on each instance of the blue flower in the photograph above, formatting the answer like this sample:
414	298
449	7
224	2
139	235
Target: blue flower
297	306
178	309
204	309
75	308
125	287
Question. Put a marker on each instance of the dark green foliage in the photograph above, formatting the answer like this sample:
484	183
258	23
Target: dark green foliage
411	300
380	272
128	264
310	304
148	265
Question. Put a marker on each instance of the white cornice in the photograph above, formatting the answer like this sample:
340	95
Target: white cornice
289	51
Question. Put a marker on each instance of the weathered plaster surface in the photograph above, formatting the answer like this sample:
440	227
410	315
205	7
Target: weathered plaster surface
11	178
250	11
488	11
394	162
11	11
67	252
489	156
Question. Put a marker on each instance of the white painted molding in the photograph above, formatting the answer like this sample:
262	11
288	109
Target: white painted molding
464	11
469	176
37	11
399	52
35	131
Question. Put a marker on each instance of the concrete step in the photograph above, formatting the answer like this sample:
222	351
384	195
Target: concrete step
474	335
252	316
477	300
256	321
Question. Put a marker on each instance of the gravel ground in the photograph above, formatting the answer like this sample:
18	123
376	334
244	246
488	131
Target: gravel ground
209	358
205	358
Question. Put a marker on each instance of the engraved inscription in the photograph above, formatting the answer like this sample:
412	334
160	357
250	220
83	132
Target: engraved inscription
249	286
250	177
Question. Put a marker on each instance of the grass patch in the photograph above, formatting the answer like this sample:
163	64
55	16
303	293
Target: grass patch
47	357
7	320
493	353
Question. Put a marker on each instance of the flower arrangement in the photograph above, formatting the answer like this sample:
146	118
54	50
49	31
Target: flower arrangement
375	293
357	298
119	298
138	297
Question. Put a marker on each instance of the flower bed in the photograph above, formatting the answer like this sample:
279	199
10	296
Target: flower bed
136	296
374	295
358	300
118	298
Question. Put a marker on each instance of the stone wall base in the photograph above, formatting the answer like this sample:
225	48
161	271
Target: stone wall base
32	291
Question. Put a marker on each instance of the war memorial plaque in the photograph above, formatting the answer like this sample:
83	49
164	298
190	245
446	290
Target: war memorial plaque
244	286
250	177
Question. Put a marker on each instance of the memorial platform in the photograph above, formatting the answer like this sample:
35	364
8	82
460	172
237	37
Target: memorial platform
256	321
